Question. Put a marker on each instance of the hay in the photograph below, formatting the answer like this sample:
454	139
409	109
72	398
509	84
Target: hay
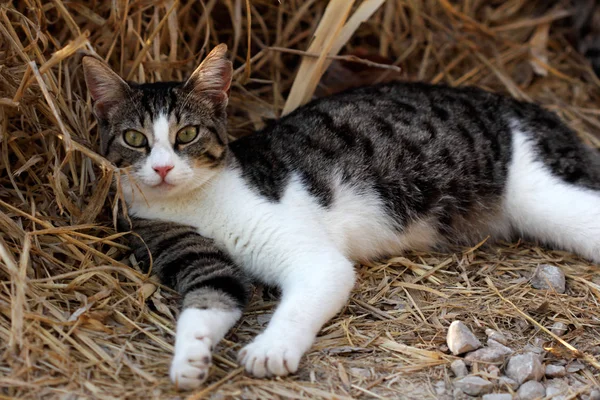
76	322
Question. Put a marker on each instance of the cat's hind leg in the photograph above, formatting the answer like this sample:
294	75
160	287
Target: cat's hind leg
315	287
543	207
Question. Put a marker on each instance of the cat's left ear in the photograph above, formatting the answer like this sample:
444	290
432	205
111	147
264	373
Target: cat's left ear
213	76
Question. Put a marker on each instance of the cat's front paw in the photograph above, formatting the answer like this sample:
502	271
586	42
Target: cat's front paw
268	356
192	362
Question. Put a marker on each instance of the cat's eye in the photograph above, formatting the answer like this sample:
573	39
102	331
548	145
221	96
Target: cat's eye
186	135
135	138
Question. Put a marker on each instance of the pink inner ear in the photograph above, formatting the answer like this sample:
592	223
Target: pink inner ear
214	74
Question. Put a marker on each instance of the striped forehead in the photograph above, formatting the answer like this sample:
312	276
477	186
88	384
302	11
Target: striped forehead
158	99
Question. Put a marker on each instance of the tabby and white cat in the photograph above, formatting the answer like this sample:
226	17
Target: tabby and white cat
367	173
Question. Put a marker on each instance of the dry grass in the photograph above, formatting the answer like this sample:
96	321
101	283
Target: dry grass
75	322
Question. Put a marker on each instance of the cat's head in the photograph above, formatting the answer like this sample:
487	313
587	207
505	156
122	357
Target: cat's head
171	135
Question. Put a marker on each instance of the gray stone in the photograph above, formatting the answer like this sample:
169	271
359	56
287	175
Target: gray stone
575	366
559	328
531	390
557	389
459	368
537	350
548	277
497	345
493	371
460	339
460	395
440	388
525	367
505	381
494	354
595	394
497	396
497	336
555	371
474	385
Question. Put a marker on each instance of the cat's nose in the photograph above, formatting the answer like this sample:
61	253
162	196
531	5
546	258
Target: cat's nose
163	170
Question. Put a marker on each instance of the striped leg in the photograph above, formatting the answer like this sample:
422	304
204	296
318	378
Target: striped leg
214	292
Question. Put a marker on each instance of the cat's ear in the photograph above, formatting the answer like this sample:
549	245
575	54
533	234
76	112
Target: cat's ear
213	75
106	87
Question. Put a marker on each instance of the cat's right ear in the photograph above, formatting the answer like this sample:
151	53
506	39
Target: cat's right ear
106	87
213	76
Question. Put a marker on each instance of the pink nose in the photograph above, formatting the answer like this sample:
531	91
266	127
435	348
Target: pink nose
163	170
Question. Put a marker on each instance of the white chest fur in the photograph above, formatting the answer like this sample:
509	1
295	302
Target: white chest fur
261	235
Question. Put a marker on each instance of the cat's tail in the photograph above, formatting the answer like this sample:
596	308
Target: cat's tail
553	189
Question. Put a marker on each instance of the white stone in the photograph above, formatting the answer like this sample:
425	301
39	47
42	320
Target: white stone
595	394
474	385
525	367
497	396
497	336
460	339
531	390
555	371
459	368
559	328
548	277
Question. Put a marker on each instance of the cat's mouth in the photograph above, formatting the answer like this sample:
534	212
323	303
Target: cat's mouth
163	185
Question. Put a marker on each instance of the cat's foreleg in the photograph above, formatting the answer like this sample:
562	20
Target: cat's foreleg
206	317
213	289
314	289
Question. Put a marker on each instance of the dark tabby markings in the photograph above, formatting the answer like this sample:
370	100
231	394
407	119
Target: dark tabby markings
430	129
186	261
441	113
404	107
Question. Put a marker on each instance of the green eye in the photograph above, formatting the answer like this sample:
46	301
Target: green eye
187	134
135	138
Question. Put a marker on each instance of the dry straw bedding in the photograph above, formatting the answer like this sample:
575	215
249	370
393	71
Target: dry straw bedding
77	322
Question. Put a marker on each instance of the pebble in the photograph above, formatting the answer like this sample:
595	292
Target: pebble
460	339
488	355
460	395
525	367
548	277
494	371
595	394
555	371
474	385
575	366
497	336
505	381
440	388
557	389
559	328
531	390
497	396
459	368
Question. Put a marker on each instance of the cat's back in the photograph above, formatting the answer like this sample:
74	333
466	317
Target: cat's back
396	137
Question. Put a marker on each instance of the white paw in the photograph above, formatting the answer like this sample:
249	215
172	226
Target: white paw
268	356
192	361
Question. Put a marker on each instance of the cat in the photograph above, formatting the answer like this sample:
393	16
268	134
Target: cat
360	175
